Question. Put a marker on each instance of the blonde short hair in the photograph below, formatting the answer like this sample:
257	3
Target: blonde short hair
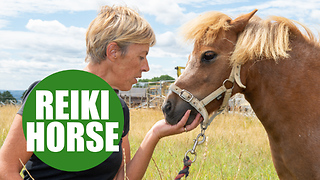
116	24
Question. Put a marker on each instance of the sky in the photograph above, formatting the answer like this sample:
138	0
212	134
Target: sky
41	37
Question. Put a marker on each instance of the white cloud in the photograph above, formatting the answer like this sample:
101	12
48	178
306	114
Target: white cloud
19	74
37	43
166	12
3	23
46	37
166	39
54	28
47	48
4	55
15	7
162	53
295	9
21	71
315	13
169	45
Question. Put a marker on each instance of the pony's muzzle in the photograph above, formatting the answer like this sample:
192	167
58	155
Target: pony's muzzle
167	107
174	109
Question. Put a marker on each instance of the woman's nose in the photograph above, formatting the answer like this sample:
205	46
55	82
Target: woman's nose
145	66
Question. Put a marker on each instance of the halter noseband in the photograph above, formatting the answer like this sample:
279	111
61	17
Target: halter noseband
217	94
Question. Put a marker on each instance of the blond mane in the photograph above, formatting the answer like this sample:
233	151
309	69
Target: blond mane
205	28
269	39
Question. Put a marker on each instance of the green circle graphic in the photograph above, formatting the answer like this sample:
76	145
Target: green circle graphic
84	109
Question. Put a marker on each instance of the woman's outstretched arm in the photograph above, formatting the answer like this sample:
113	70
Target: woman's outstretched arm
137	167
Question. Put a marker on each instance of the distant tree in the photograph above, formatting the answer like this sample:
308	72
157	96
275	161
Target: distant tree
143	80
155	79
6	95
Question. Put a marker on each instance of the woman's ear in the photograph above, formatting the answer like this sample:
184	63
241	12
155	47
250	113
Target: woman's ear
112	51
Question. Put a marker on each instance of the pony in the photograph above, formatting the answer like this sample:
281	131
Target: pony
275	63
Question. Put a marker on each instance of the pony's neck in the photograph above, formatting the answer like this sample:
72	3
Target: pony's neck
277	91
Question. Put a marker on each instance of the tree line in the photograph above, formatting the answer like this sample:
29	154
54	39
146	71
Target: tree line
6	96
156	79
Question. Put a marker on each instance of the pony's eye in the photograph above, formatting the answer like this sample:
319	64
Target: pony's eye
208	56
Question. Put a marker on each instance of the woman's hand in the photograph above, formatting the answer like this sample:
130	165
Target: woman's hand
163	129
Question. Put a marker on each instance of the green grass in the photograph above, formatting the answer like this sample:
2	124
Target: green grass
236	147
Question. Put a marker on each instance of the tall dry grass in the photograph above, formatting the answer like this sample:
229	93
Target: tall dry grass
236	147
7	114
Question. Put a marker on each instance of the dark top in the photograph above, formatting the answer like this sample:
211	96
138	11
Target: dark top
106	170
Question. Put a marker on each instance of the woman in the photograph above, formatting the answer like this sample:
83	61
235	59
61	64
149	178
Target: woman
118	42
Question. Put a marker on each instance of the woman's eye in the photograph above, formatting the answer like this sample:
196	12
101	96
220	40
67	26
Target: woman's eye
208	56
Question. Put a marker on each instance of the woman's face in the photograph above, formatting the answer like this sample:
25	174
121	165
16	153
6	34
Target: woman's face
131	65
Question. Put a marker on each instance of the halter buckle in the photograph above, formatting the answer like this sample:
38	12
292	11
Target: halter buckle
187	97
226	81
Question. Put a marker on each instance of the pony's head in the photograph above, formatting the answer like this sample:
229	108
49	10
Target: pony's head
222	44
214	35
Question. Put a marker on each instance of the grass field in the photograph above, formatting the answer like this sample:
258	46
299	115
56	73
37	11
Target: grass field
7	114
236	147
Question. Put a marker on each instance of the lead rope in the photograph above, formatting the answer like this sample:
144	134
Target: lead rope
185	170
186	160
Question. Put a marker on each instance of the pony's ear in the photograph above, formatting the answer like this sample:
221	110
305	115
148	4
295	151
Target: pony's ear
240	22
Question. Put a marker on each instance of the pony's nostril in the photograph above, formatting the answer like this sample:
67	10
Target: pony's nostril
167	107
